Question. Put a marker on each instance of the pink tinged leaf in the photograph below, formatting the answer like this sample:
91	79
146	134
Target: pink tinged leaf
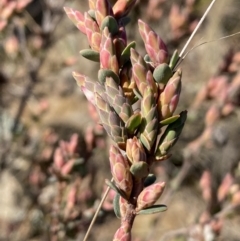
77	18
134	56
7	11
119	46
144	30
118	172
152	40
123	206
89	95
103	9
67	168
90	23
96	41
92	32
122	35
149	195
123	233
22	4
106	49
80	79
58	159
105	59
73	144
108	58
173	103
165	113
123	7
139	74
162	57
114	64
225	187
92	4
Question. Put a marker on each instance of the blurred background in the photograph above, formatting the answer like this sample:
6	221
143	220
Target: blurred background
53	152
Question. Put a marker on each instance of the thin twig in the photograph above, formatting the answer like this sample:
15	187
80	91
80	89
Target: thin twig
197	27
96	213
206	42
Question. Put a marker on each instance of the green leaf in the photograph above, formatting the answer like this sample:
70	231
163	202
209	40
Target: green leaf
169	120
111	23
137	93
125	20
145	142
116	206
116	189
147	58
149	180
104	73
133	123
174	59
154	209
92	14
90	54
125	55
139	169
162	73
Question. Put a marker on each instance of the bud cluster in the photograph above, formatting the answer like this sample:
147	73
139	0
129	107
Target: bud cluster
135	98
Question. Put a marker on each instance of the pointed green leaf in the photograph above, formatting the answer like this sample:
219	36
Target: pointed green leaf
169	120
174	59
149	180
115	188
90	54
137	93
145	142
133	123
125	55
116	206
154	209
125	20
